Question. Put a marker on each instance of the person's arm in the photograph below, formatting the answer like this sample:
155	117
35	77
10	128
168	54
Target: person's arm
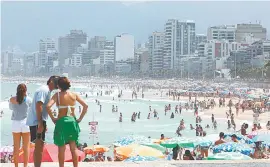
10	103
40	99
49	106
84	105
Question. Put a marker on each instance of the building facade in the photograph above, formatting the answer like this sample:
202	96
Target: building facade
179	40
68	44
156	46
257	30
124	47
224	32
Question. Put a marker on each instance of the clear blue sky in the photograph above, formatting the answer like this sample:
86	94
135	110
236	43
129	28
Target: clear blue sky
24	23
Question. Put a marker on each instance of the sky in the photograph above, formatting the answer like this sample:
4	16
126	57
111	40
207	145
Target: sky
23	24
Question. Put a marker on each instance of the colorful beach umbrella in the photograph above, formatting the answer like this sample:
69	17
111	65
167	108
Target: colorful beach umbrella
229	156
155	146
141	159
233	147
95	149
50	154
180	141
202	141
132	150
240	138
131	139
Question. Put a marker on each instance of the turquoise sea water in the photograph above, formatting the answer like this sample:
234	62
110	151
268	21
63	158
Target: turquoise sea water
109	128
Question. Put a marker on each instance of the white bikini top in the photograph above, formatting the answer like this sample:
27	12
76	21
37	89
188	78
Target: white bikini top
68	107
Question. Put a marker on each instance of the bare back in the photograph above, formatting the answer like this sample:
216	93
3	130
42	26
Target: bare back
65	99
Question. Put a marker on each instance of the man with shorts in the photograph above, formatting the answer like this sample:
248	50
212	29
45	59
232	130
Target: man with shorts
38	116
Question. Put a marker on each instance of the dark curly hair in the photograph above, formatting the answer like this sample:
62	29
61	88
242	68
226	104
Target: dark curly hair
21	93
64	83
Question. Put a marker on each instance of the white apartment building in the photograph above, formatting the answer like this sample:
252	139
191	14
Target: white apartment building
156	45
76	60
6	61
106	56
266	47
214	48
179	40
224	32
124	47
17	65
257	30
46	44
200	38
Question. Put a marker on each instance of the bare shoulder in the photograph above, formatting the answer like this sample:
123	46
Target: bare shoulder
13	100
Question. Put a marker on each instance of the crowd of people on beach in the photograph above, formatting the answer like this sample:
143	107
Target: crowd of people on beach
30	116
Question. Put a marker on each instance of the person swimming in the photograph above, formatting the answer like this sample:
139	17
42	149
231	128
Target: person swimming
172	115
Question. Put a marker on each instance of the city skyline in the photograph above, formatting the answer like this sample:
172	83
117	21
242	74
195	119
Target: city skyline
33	21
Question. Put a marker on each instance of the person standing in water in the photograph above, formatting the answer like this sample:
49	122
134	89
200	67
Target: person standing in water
120	118
100	106
139	115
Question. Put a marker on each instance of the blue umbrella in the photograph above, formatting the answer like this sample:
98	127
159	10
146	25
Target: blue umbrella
240	138
123	141
262	137
233	147
141	158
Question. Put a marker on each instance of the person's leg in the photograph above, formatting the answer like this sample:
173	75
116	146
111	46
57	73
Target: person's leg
26	146
73	148
38	152
61	155
16	143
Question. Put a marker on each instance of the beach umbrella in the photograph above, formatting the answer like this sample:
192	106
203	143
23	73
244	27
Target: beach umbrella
50	154
123	141
229	156
95	149
155	146
233	147
132	150
4	150
240	138
180	141
141	159
261	138
258	132
202	141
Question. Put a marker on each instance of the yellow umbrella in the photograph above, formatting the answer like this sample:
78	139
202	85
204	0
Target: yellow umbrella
132	150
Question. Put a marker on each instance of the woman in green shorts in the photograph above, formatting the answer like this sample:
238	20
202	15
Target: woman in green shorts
66	125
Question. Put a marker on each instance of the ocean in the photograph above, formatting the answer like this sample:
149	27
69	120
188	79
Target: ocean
109	128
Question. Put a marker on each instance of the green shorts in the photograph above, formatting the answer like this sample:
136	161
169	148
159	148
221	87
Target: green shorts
66	130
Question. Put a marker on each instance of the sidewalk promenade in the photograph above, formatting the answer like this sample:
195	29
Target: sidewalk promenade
251	163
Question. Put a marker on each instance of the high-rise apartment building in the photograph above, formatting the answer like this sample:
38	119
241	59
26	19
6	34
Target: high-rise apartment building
6	61
179	40
97	42
156	46
200	38
257	30
124	47
224	32
46	46
68	44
